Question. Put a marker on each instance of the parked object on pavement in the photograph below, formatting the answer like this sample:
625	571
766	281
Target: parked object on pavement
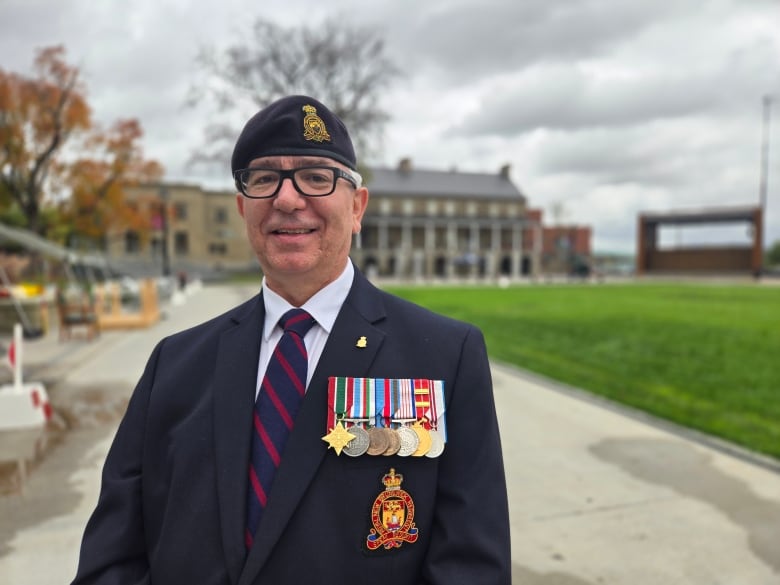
29	330
111	313
76	310
22	405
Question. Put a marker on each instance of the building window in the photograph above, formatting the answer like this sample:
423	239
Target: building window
217	249
181	243
155	246
408	207
180	211
449	208
132	242
494	210
433	207
385	207
220	215
471	209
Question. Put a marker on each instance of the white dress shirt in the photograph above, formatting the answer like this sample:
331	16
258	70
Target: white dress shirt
323	306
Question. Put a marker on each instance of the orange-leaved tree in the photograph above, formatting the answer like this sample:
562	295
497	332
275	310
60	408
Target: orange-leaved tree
38	116
52	155
97	185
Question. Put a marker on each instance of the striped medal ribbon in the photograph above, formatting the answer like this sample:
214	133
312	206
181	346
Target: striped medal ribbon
360	403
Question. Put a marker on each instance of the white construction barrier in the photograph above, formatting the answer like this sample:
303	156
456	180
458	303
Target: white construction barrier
22	405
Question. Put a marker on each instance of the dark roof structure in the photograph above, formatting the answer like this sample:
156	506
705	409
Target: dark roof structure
406	181
706	215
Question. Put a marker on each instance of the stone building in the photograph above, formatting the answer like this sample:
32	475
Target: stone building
194	230
424	224
420	224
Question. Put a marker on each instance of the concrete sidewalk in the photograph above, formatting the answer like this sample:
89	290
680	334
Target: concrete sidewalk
597	494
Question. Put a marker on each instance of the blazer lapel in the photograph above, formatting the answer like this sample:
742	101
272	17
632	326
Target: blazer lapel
305	447
235	378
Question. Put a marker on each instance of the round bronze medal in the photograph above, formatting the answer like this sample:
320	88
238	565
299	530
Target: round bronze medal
437	444
395	442
378	441
409	441
359	445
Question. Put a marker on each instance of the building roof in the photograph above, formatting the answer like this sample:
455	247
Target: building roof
398	182
705	215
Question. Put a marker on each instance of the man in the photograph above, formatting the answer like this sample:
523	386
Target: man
201	486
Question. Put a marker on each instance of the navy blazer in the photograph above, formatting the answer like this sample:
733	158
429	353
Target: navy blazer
172	504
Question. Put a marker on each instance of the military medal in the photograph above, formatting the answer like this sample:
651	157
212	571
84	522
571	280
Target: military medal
437	444
378	435
424	438
378	441
390	403
435	415
394	442
373	415
422	402
405	414
392	515
337	437
359	445
361	402
409	441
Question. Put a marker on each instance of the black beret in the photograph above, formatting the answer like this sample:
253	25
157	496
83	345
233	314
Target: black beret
295	125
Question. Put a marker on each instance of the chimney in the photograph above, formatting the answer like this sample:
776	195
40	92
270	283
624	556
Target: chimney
504	172
405	165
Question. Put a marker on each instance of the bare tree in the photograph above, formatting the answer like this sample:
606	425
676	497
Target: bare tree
343	66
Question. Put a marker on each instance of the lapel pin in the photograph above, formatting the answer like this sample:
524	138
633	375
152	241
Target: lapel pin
361	342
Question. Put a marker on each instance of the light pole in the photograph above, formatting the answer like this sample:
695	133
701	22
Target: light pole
166	261
766	120
763	186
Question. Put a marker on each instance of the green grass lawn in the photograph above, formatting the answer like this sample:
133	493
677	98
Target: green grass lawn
705	356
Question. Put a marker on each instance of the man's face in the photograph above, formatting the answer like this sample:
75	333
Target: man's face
301	239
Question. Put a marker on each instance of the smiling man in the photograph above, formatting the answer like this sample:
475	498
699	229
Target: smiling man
300	214
323	432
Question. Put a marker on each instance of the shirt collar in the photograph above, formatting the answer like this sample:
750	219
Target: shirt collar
324	306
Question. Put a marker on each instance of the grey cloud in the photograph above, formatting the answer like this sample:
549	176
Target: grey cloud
693	158
564	97
463	41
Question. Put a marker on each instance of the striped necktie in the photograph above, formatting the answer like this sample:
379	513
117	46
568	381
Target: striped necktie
280	396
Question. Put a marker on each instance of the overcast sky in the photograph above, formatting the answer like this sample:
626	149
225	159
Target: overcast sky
603	108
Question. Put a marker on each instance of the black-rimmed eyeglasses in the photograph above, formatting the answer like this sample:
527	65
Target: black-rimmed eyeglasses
262	183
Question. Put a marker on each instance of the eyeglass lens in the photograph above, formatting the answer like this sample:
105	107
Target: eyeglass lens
313	181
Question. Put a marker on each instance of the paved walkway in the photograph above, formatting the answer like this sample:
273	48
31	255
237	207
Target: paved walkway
598	495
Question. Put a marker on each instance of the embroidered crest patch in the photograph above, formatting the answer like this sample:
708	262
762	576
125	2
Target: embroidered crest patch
392	515
313	126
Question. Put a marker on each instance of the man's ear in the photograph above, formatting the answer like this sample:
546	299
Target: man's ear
359	204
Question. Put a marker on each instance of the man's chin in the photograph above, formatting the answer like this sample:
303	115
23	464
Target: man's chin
291	265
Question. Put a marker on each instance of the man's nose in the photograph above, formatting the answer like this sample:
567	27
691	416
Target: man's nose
288	198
